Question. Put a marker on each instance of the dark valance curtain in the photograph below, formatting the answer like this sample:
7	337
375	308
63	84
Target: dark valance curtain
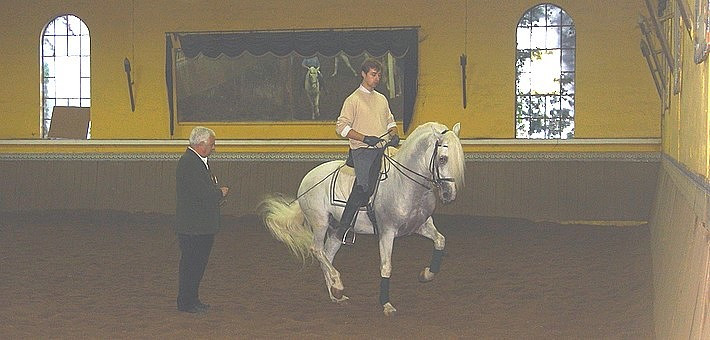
306	43
400	42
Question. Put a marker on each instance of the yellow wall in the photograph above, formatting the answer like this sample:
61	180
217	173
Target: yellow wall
616	97
686	125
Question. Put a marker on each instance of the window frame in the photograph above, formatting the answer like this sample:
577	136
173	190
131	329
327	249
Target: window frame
550	121
49	72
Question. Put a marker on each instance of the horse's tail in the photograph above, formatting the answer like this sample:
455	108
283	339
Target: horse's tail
284	219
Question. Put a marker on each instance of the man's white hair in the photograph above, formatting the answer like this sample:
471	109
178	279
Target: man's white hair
200	134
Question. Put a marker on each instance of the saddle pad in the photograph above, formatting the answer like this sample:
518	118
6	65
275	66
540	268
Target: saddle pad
341	183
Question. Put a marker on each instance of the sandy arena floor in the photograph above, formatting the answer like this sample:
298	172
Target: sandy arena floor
114	275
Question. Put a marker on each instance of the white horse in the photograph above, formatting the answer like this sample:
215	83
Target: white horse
312	87
428	163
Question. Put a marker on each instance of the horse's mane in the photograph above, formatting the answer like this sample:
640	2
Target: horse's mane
428	132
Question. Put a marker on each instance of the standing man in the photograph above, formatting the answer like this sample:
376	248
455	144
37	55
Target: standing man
364	119
199	198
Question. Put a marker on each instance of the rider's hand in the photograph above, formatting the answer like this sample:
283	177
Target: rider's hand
372	140
394	141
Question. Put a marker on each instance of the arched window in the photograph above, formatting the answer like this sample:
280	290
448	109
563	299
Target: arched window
65	67
544	74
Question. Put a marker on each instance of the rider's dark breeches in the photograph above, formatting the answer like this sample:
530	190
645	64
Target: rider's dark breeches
367	162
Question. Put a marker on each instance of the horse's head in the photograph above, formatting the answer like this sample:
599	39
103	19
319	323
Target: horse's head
447	163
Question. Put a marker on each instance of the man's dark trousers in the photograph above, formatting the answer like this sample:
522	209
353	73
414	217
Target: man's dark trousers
194	253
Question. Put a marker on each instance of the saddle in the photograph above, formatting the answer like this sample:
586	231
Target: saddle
343	181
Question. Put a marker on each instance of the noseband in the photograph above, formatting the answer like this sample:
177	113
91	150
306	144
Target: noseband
436	178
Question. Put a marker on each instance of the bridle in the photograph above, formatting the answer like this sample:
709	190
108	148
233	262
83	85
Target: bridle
436	179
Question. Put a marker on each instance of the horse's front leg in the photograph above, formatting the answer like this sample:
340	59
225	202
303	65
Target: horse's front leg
386	242
317	104
429	231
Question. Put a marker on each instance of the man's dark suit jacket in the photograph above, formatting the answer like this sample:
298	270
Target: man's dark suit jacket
198	197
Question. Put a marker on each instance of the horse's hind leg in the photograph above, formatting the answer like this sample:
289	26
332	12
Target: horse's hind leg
429	231
324	251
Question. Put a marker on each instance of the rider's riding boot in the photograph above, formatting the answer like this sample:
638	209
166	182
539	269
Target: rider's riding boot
345	232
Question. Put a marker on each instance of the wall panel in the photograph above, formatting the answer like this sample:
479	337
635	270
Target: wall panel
680	243
540	186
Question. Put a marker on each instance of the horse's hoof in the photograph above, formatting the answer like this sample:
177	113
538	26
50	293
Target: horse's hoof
388	309
337	293
426	276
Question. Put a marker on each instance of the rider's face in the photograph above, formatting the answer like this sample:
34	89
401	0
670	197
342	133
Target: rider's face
371	79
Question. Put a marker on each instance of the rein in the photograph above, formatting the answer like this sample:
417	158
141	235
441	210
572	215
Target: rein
315	185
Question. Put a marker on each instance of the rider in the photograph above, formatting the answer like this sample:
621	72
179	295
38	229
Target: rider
364	119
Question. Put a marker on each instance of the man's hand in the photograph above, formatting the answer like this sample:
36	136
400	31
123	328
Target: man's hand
394	141
372	140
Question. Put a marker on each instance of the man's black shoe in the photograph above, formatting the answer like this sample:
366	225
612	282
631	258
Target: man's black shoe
191	310
194	309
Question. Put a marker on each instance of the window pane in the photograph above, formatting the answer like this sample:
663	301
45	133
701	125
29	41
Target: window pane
566	19
567	82
538	37
523	61
74	26
523	84
85	45
552	39
568	37
537	106
525	20
74	102
522	128
537	129
50	88
553	15
567	129
567	106
84	31
73	46
68	77
48	108
50	29
60	47
523	38
48	46
48	68
553	129
523	107
85	66
552	106
85	87
545	72
568	60
60	26
538	16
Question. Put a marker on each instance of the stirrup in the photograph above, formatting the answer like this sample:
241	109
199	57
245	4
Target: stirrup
348	237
